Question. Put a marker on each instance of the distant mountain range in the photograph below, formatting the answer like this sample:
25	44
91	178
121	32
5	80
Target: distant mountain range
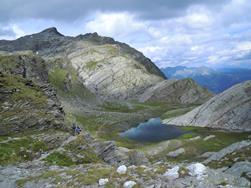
216	80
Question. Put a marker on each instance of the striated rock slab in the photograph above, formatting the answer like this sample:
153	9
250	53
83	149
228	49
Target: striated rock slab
27	100
225	151
176	153
184	91
229	110
240	169
108	68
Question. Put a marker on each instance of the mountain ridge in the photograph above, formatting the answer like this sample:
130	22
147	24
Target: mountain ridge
110	69
216	80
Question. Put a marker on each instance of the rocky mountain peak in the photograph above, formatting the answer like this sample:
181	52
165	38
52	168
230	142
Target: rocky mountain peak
95	37
110	69
51	31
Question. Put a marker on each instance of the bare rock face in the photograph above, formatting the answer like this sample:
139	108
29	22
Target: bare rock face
27	100
229	110
108	68
111	73
184	91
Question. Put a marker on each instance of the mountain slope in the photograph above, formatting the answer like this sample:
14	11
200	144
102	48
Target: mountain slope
185	91
229	110
216	80
106	68
27	100
110	69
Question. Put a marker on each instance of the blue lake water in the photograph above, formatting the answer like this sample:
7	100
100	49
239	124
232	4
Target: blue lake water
152	131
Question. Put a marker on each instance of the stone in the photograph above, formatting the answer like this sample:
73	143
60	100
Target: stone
172	173
195	138
208	137
207	154
129	184
227	150
122	169
240	168
102	181
176	152
197	169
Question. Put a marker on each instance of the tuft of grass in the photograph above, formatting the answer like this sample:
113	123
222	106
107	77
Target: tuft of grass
74	147
93	175
196	148
176	112
24	149
57	76
52	174
90	177
59	159
32	94
91	65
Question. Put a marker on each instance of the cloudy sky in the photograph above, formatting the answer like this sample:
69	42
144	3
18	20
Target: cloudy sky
212	33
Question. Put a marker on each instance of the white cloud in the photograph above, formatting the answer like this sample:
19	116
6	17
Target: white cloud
11	31
243	46
17	30
114	24
201	35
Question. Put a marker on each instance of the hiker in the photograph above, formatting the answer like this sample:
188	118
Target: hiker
78	130
74	128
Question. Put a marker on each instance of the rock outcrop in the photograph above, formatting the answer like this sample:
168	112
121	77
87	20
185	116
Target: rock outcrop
228	150
184	91
27	100
229	110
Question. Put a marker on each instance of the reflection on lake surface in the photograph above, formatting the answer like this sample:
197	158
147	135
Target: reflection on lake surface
152	131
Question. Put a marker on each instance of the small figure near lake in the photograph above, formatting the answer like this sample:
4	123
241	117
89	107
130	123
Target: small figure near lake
76	129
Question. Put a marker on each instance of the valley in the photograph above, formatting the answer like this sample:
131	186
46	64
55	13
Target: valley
50	82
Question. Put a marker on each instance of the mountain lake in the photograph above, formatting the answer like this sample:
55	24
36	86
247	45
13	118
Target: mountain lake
153	130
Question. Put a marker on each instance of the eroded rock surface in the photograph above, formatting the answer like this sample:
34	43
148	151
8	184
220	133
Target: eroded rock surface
27	100
110	69
184	91
229	110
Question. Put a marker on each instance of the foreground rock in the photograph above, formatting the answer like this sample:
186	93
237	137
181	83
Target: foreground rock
129	184
241	169
176	152
102	182
122	169
27	100
229	110
197	175
228	150
197	169
172	173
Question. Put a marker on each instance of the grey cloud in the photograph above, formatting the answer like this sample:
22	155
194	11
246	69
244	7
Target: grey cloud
67	10
7	32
